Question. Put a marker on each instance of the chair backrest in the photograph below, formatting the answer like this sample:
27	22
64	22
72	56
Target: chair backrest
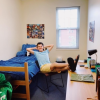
37	64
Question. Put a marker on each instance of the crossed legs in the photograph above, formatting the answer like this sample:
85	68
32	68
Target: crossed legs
58	67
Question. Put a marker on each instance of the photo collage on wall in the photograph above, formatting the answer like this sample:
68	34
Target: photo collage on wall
35	31
91	31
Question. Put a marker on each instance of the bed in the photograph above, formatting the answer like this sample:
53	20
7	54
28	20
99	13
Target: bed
22	69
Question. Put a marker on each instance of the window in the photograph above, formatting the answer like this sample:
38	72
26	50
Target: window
67	26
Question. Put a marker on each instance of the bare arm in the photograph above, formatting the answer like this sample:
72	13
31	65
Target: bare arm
31	49
49	47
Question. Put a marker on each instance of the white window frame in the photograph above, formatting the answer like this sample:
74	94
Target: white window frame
77	32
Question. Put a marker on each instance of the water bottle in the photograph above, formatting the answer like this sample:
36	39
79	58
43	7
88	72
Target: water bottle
88	62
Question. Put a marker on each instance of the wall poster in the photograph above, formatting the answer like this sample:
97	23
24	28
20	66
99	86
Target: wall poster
35	31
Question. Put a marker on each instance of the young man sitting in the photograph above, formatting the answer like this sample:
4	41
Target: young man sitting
45	65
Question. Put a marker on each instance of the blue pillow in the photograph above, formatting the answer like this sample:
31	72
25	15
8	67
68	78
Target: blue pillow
24	46
21	53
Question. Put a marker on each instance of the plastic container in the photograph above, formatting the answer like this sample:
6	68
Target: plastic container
92	63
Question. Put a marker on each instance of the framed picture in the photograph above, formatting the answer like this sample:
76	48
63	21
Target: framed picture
91	31
35	31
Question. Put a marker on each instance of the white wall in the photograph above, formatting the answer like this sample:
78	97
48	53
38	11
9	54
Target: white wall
94	15
10	28
44	12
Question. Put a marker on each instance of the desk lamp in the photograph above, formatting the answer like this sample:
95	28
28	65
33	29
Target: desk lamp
91	52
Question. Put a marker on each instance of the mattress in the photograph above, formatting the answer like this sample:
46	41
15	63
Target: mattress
19	62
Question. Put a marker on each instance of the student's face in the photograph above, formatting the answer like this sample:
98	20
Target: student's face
40	47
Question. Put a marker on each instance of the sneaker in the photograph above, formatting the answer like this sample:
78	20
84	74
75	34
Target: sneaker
71	64
76	61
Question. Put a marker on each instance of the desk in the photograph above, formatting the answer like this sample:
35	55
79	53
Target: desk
80	90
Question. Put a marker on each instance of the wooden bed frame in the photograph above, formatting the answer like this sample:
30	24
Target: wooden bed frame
19	82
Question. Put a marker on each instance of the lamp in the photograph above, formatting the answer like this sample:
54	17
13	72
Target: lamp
91	52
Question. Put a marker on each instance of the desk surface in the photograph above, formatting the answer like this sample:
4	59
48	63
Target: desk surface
80	90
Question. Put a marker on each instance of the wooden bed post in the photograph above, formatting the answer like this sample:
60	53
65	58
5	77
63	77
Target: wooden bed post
19	82
27	81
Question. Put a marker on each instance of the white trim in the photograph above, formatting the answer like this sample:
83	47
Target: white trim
78	28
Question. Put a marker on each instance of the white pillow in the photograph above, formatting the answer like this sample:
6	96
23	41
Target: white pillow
28	53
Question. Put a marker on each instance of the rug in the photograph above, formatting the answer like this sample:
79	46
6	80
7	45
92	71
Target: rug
51	87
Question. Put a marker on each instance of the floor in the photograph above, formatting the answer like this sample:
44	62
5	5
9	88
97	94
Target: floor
55	84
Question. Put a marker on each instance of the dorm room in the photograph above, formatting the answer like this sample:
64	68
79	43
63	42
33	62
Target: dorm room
71	25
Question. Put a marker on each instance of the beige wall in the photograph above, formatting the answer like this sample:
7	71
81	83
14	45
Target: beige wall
94	15
44	12
10	28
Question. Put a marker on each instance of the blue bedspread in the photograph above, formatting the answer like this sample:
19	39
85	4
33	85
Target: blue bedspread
19	62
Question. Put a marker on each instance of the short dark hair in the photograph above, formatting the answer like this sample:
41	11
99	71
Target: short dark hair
40	43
